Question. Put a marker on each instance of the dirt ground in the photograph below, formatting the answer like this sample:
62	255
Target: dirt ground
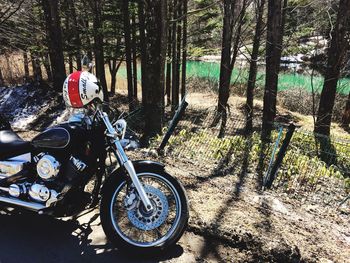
231	220
261	226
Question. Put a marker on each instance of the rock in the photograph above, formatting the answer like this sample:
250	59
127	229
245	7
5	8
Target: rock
271	203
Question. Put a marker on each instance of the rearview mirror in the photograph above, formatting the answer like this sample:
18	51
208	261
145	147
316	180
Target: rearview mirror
86	63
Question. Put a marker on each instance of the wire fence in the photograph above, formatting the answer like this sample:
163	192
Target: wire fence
310	161
312	158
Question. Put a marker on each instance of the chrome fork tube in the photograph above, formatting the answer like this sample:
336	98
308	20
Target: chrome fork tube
124	160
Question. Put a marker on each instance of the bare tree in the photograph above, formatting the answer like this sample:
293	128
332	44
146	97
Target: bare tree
26	66
184	49
134	55
253	69
175	62
128	54
54	39
96	7
336	54
154	34
234	12
275	24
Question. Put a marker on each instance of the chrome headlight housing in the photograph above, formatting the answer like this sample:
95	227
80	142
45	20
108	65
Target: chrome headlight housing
48	167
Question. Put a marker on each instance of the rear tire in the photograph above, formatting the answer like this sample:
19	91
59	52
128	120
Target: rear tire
110	193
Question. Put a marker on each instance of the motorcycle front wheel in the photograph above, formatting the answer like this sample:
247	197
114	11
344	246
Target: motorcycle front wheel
128	225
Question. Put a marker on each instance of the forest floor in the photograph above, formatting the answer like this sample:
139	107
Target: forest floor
259	226
231	219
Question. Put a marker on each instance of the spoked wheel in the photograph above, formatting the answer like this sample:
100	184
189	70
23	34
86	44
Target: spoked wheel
128	224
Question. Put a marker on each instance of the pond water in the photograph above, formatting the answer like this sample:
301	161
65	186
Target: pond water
287	78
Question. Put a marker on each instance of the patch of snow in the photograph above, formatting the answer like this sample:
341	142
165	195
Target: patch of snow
22	104
62	116
22	121
6	97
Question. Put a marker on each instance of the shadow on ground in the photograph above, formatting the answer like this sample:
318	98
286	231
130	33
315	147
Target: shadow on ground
27	237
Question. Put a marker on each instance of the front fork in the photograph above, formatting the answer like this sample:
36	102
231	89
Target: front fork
125	162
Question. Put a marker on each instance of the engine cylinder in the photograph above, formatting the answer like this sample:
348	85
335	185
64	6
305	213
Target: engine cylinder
39	192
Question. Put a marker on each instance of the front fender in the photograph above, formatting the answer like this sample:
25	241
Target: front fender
140	165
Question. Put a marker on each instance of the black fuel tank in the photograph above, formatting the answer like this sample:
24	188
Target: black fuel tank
56	137
60	137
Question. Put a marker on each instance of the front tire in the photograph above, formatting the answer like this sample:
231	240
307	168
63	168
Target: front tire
133	229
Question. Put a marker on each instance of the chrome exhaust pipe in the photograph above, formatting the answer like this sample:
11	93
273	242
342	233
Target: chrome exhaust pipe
28	205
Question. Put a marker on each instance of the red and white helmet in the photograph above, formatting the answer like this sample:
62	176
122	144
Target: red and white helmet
80	88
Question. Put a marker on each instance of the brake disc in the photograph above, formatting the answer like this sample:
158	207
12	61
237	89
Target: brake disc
144	220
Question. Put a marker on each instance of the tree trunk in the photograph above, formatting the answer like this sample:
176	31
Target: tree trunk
253	69
46	62
234	11
113	68
184	50
143	49
169	58
113	82
156	29
37	74
346	114
175	62
178	54
77	40
134	57
127	38
26	66
87	39
273	57
70	63
225	68
68	39
168	64
98	47
53	27
225	62
336	55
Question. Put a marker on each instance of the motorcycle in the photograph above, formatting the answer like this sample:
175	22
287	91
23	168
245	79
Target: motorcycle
62	172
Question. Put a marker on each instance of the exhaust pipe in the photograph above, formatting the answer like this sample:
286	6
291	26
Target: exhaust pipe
28	205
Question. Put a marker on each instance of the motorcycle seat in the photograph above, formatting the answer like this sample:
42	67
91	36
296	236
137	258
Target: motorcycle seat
12	145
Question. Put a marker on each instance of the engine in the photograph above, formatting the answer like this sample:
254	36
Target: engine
36	192
56	169
51	179
13	165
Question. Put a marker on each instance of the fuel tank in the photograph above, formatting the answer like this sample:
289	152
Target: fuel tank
61	137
